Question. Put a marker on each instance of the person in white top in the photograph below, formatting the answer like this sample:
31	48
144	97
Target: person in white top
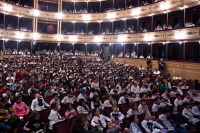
156	72
133	54
156	105
95	84
191	24
178	101
82	95
135	89
150	126
84	109
143	108
141	68
195	109
69	98
38	104
141	56
55	100
132	110
110	102
99	120
54	116
149	56
124	99
116	116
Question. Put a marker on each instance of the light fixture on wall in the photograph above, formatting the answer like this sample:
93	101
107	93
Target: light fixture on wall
149	43
135	43
199	42
73	21
72	43
110	43
180	43
163	43
99	21
19	41
33	43
122	44
182	7
58	44
6	40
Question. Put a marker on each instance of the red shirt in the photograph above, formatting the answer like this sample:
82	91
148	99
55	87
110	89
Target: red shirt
20	76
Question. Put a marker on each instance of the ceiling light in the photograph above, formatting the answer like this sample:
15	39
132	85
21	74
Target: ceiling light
163	43
72	43
135	43
180	42
149	43
122	44
199	42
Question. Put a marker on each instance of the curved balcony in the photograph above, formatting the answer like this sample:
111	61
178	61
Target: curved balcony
137	12
180	35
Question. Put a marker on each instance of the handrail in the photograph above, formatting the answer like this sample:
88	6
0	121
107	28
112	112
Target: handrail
137	12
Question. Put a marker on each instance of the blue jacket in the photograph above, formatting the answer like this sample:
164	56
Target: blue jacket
15	86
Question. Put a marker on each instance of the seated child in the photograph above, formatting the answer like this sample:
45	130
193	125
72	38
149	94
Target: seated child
110	102
132	110
26	98
70	112
56	100
84	109
195	109
69	98
99	120
135	126
35	124
18	91
124	99
178	101
173	92
156	105
143	108
150	125
116	116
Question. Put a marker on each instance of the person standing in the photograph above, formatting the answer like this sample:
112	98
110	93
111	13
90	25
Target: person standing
161	65
149	64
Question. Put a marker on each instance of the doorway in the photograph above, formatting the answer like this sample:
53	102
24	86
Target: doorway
175	52
144	25
175	21
195	18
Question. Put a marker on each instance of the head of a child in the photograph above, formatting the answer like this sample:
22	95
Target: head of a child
83	92
49	89
157	100
34	115
93	90
12	96
166	111
111	125
95	98
32	86
174	108
18	99
166	91
25	93
143	102
135	84
178	96
69	94
68	106
186	105
114	108
125	94
54	106
133	106
134	118
96	112
187	95
82	102
4	100
37	95
196	103
18	89
133	94
40	86
143	86
7	90
55	96
174	89
146	116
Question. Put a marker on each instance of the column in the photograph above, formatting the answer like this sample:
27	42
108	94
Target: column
36	21
151	49
166	50
184	17
112	26
60	26
36	4
31	46
99	47
167	19
3	47
73	26
86	28
87	6
18	22
4	20
113	3
112	49
137	50
74	6
58	6
59	47
152	23
124	49
17	46
137	24
85	49
73	48
125	25
100	6
100	28
184	51
125	5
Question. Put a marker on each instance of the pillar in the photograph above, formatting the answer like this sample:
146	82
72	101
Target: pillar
100	6
3	47
166	50
112	26
113	3
4	20
151	49
17	46
137	24
112	49
74	6
59	47
184	51
167	19
184	17
137	50
36	4
58	6
100	28
31	46
18	22
125	5
73	49
99	47
86	49
87	6
125	25
86	28
36	21
33	24
60	26
124	49
73	27
152	23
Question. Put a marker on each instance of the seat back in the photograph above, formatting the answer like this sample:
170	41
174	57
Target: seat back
126	123
63	95
150	104
124	108
26	118
61	127
48	99
107	111
172	99
76	94
180	108
45	114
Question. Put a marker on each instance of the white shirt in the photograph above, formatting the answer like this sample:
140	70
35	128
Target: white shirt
122	100
67	99
120	116
53	118
81	96
155	107
143	109
195	110
108	104
35	106
100	105
102	118
156	72
188	114
155	124
135	89
178	102
167	123
131	112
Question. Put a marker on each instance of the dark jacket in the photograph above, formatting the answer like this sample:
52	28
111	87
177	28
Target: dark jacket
178	118
82	130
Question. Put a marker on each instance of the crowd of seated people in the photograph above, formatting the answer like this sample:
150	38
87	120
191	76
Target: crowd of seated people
17	4
75	11
93	53
21	29
81	32
103	97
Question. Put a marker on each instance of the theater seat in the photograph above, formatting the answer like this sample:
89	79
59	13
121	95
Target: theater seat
126	123
157	114
124	108
26	118
192	131
63	95
172	99
180	108
107	111
45	114
48	99
61	127
140	118
150	104
76	94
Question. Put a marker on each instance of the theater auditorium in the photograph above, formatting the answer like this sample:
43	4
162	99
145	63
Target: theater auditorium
99	66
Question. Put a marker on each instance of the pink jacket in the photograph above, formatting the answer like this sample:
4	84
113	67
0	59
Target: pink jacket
20	109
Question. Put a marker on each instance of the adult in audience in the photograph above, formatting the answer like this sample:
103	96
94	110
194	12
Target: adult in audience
161	65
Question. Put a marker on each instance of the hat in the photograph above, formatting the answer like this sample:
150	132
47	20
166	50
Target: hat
83	90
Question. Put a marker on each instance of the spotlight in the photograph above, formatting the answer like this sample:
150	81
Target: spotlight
6	40
19	41
72	43
122	44
98	44
199	42
180	43
149	43
163	43
34	43
135	43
